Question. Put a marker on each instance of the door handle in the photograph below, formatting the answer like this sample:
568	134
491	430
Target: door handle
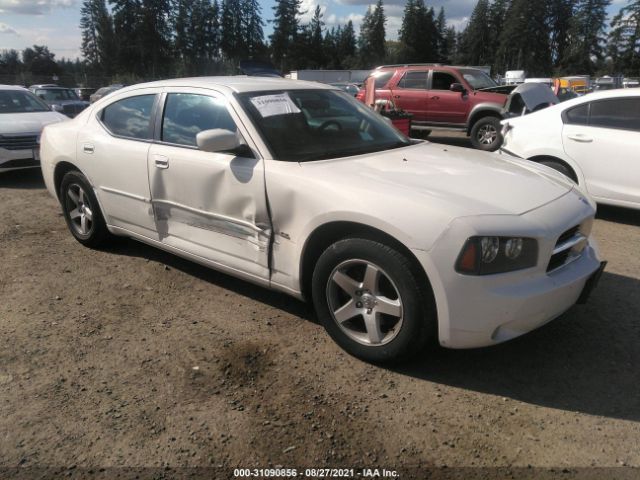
435	98
88	148
396	96
580	138
161	161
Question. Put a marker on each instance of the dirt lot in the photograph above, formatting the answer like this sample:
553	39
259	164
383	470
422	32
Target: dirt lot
131	357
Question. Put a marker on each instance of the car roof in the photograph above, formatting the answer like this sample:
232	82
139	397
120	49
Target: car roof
12	87
238	84
602	95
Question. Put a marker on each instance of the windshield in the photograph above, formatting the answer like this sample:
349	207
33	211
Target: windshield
305	125
477	79
56	94
19	101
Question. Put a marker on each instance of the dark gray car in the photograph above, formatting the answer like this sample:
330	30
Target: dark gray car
60	99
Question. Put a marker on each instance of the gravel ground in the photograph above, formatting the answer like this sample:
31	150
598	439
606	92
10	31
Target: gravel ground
130	357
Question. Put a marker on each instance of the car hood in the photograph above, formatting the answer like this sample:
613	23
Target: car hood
32	122
464	182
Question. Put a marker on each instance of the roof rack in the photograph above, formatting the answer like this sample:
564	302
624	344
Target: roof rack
412	65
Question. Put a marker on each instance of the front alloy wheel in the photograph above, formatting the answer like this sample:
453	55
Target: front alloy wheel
364	302
373	301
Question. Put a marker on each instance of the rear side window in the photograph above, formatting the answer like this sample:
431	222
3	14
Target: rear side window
442	81
414	80
130	117
618	113
578	115
186	115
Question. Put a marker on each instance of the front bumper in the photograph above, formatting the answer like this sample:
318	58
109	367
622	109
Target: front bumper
19	159
478	311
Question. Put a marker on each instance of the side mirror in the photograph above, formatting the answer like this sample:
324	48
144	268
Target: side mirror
218	140
457	87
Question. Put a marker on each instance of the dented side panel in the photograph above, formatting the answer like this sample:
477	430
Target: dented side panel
211	204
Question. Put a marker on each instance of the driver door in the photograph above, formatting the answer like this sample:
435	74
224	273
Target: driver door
212	205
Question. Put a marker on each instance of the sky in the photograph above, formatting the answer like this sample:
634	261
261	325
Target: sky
55	23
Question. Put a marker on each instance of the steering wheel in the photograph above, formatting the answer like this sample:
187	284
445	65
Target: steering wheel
328	123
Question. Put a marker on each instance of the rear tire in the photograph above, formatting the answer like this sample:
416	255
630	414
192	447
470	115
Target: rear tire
81	211
560	167
486	134
371	302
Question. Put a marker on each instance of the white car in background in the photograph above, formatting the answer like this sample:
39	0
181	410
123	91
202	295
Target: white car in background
22	117
594	140
299	187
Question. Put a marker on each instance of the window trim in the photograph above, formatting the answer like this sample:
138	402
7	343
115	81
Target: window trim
455	77
152	116
426	80
565	115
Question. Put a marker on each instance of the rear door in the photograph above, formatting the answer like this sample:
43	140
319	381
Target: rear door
603	137
113	147
443	105
212	205
410	94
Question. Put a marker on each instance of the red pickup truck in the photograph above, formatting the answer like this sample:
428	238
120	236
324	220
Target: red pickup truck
445	98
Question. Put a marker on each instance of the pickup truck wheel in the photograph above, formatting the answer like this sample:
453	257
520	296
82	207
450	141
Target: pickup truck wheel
370	302
81	210
486	134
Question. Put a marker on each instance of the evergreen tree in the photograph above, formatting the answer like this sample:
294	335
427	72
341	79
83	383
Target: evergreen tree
127	17
560	13
586	36
497	17
372	36
524	42
155	36
252	28
285	32
316	54
624	40
39	61
10	63
97	34
476	43
441	39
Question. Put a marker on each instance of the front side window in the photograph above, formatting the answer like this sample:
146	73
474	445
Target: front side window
130	117
477	79
443	81
19	101
186	115
617	113
307	125
414	80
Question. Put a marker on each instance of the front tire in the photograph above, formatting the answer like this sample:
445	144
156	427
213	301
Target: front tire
371	302
486	134
81	210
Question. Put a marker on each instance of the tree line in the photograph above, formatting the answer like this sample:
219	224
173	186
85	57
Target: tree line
141	39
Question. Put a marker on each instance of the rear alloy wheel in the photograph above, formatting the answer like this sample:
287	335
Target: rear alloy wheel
369	300
81	210
486	134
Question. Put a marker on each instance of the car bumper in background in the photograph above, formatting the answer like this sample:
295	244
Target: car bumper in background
19	159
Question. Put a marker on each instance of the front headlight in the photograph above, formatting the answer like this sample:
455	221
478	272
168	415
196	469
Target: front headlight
489	255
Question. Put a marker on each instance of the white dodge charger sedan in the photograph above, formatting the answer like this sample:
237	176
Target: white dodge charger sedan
594	140
298	187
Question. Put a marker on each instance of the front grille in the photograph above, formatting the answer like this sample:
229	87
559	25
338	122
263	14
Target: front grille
18	142
565	255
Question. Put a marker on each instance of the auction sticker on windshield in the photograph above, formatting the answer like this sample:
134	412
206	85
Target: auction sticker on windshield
271	105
